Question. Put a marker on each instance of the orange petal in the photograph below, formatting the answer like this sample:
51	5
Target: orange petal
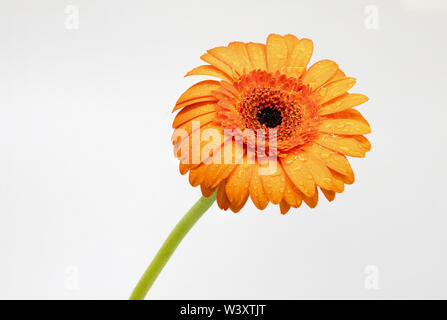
276	53
229	88
224	94
338	76
332	159
320	173
335	89
330	195
292	195
199	90
313	200
345	145
232	152
256	190
364	143
193	111
344	102
295	167
208	99
240	50
238	183
339	180
229	57
273	183
319	73
185	144
256	54
206	191
299	58
237	207
197	175
217	63
209	71
284	207
219	170
291	42
344	126
348	114
188	128
184	167
216	173
222	200
184	150
211	147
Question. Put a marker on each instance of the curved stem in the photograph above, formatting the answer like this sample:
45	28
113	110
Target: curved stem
169	246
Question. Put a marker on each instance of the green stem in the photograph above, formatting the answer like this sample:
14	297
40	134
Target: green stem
169	246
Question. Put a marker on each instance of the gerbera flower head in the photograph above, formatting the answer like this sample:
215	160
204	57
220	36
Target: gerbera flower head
270	128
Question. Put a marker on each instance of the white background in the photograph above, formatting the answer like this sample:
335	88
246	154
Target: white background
89	188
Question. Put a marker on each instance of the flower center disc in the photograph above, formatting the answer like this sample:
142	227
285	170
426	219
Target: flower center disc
269	117
267	101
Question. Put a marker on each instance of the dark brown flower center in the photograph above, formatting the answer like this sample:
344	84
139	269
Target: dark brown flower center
270	117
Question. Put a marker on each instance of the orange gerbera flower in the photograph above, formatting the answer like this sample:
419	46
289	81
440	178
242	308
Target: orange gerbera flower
301	118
